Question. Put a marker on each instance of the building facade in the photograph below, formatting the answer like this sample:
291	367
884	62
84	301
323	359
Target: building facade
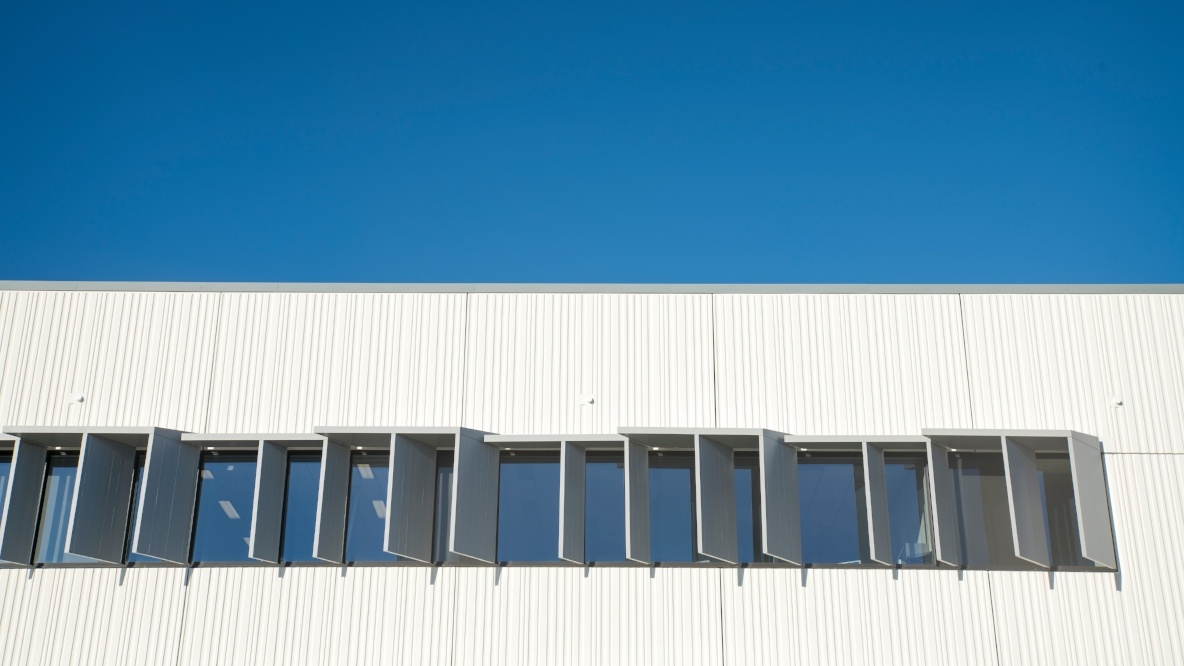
605	474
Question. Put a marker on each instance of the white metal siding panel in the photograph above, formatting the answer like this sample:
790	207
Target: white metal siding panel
253	616
781	515
833	616
572	472
474	499
136	358
715	500
267	514
102	500
293	362
22	504
1130	617
603	616
840	364
332	503
1092	500
68	617
646	360
1059	361
876	498
410	502
168	499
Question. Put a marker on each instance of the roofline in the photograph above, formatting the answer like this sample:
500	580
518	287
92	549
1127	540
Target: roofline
582	288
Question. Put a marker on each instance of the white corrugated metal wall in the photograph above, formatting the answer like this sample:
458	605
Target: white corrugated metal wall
523	363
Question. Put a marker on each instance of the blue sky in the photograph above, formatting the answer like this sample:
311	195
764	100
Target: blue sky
599	142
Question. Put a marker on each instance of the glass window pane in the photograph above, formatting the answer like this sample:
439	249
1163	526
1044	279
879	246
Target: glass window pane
225	504
604	507
133	517
366	521
983	516
748	506
300	507
5	466
56	497
442	526
672	507
528	508
1060	510
834	512
908	508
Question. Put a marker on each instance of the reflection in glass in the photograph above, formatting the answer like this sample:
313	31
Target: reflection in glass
300	506
604	507
1060	510
672	507
5	466
983	517
442	525
528	508
834	511
58	494
908	508
133	514
748	506
225	504
366	520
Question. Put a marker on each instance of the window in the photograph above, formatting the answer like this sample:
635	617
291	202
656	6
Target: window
56	498
834	511
907	483
133	513
300	506
5	466
442	524
1060	510
225	502
672	506
983	517
528	508
604	507
366	521
748	506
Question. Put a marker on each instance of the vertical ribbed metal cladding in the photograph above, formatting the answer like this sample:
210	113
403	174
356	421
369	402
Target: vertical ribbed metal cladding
534	360
134	358
1043	361
90	616
290	362
570	615
864	616
840	364
1131	617
319	615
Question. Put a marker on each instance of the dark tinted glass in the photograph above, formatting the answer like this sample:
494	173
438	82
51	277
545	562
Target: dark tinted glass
834	512
225	504
56	498
984	519
1060	514
442	525
672	507
366	521
908	509
748	506
528	508
300	506
134	511
604	507
5	466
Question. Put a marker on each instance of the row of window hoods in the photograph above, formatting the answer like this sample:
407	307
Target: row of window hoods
1006	499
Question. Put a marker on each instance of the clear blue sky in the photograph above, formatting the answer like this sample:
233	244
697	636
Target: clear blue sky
598	141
